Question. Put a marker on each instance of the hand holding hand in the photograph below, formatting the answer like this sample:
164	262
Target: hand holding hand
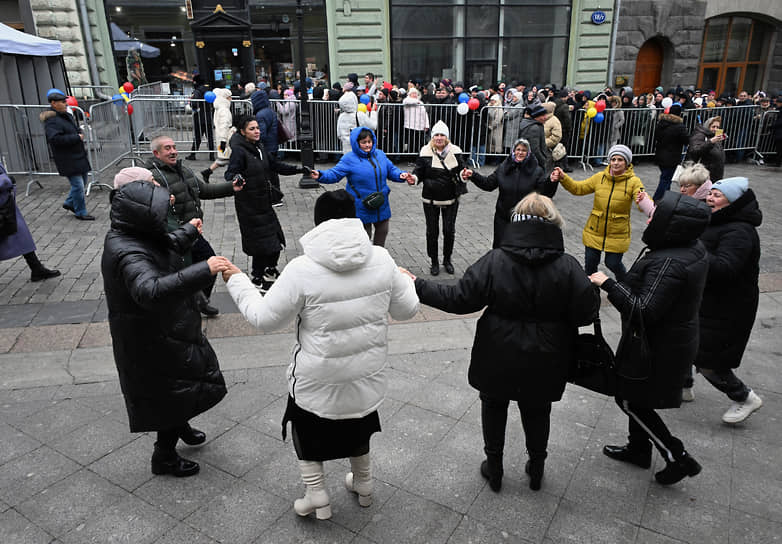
598	278
315	174
232	269
556	174
466	174
196	222
218	264
407	273
641	195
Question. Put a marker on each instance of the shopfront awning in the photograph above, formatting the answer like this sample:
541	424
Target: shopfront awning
122	43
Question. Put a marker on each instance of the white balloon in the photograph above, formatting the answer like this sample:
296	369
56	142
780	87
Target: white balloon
462	108
667	101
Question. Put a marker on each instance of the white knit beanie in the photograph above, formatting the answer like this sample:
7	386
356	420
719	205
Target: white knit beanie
441	128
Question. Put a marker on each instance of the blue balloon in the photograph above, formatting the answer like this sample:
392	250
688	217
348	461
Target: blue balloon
116	98
365	99
599	118
209	96
464	98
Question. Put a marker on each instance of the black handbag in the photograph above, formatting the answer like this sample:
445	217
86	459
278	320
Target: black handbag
593	363
633	357
374	201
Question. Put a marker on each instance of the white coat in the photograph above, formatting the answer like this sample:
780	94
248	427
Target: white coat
340	292
223	122
350	118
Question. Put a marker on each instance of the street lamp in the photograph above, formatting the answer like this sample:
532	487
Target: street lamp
305	130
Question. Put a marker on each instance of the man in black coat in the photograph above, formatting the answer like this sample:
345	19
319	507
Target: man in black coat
776	131
167	369
669	137
531	129
66	141
202	117
180	181
658	301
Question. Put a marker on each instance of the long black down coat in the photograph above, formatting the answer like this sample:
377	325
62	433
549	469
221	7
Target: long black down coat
261	231
536	296
667	284
63	136
167	369
669	137
730	299
515	181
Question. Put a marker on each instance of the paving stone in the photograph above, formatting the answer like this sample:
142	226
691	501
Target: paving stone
701	523
184	533
96	335
129	465
8	338
757	495
238	450
130	520
50	338
240	513
17	315
15	528
61	507
645	536
589	521
66	312
92	365
243	401
58	419
293	529
22	370
25	476
453	481
748	528
14	443
93	441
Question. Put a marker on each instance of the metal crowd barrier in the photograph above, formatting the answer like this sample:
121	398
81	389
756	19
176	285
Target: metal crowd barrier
764	145
110	139
93	92
148	89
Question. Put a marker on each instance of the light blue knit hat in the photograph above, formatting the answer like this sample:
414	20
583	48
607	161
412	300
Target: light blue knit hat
732	188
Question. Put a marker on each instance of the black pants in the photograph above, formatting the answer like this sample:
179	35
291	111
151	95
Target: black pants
203	125
432	214
274	179
201	252
262	262
645	425
535	419
727	382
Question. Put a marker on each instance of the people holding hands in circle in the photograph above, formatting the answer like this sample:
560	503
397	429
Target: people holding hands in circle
608	227
517	176
367	168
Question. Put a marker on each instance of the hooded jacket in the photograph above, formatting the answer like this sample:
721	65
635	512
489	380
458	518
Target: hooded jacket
340	293
267	120
608	225
63	136
536	296
223	122
665	285
730	299
350	118
366	173
702	150
669	137
258	223
167	369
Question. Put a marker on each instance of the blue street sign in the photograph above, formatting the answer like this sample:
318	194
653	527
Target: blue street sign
598	17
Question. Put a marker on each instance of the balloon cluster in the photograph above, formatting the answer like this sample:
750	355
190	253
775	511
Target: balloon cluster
124	94
365	99
596	112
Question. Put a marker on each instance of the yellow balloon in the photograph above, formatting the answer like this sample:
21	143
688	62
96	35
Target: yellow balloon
362	107
121	89
591	112
126	97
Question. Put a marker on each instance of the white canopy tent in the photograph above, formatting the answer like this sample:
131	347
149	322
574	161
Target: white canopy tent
20	43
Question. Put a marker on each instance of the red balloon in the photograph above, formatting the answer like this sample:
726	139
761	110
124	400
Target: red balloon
668	110
128	86
473	103
71	101
130	109
600	105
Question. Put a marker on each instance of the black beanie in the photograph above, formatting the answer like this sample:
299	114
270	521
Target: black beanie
337	204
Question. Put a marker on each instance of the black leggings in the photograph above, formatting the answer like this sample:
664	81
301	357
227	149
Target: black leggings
535	419
645	425
432	214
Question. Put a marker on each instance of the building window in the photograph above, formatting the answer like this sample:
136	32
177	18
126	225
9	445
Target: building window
480	41
733	56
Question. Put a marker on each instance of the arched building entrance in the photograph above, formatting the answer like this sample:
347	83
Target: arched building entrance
648	66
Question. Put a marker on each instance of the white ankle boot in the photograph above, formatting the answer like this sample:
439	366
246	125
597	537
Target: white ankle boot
360	480
315	497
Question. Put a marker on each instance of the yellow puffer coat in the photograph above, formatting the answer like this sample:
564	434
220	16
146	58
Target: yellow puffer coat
608	225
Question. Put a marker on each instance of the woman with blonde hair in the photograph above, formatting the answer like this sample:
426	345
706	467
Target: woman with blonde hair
437	167
535	297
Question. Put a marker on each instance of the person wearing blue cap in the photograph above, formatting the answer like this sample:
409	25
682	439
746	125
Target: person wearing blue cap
70	156
730	298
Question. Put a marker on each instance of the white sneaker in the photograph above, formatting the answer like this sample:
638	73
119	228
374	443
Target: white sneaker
688	395
742	410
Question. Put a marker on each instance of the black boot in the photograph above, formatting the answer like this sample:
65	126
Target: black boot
534	468
491	469
494	417
677	470
639	455
168	461
448	265
191	436
38	271
435	269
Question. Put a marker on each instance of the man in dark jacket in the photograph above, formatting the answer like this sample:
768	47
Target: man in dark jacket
181	182
669	137
70	156
167	369
267	122
776	131
202	117
658	301
531	129
562	112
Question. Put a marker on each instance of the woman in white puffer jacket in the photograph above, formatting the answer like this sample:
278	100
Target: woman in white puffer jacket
340	292
350	118
223	125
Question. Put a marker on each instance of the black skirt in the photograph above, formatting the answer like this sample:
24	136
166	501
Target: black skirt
320	439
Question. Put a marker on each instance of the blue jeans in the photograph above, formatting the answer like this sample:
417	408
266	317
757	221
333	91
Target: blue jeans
478	154
665	182
76	197
613	262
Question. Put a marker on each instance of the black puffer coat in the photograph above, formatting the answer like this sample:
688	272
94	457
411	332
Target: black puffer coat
701	149
261	231
68	151
667	284
534	132
669	137
515	181
536	296
730	299
440	177
167	369
187	189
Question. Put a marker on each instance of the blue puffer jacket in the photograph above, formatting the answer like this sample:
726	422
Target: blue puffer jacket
366	173
267	120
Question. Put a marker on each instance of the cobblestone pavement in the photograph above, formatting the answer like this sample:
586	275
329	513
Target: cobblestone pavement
70	472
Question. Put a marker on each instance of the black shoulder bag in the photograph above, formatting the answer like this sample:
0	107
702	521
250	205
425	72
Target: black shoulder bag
593	363
633	358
